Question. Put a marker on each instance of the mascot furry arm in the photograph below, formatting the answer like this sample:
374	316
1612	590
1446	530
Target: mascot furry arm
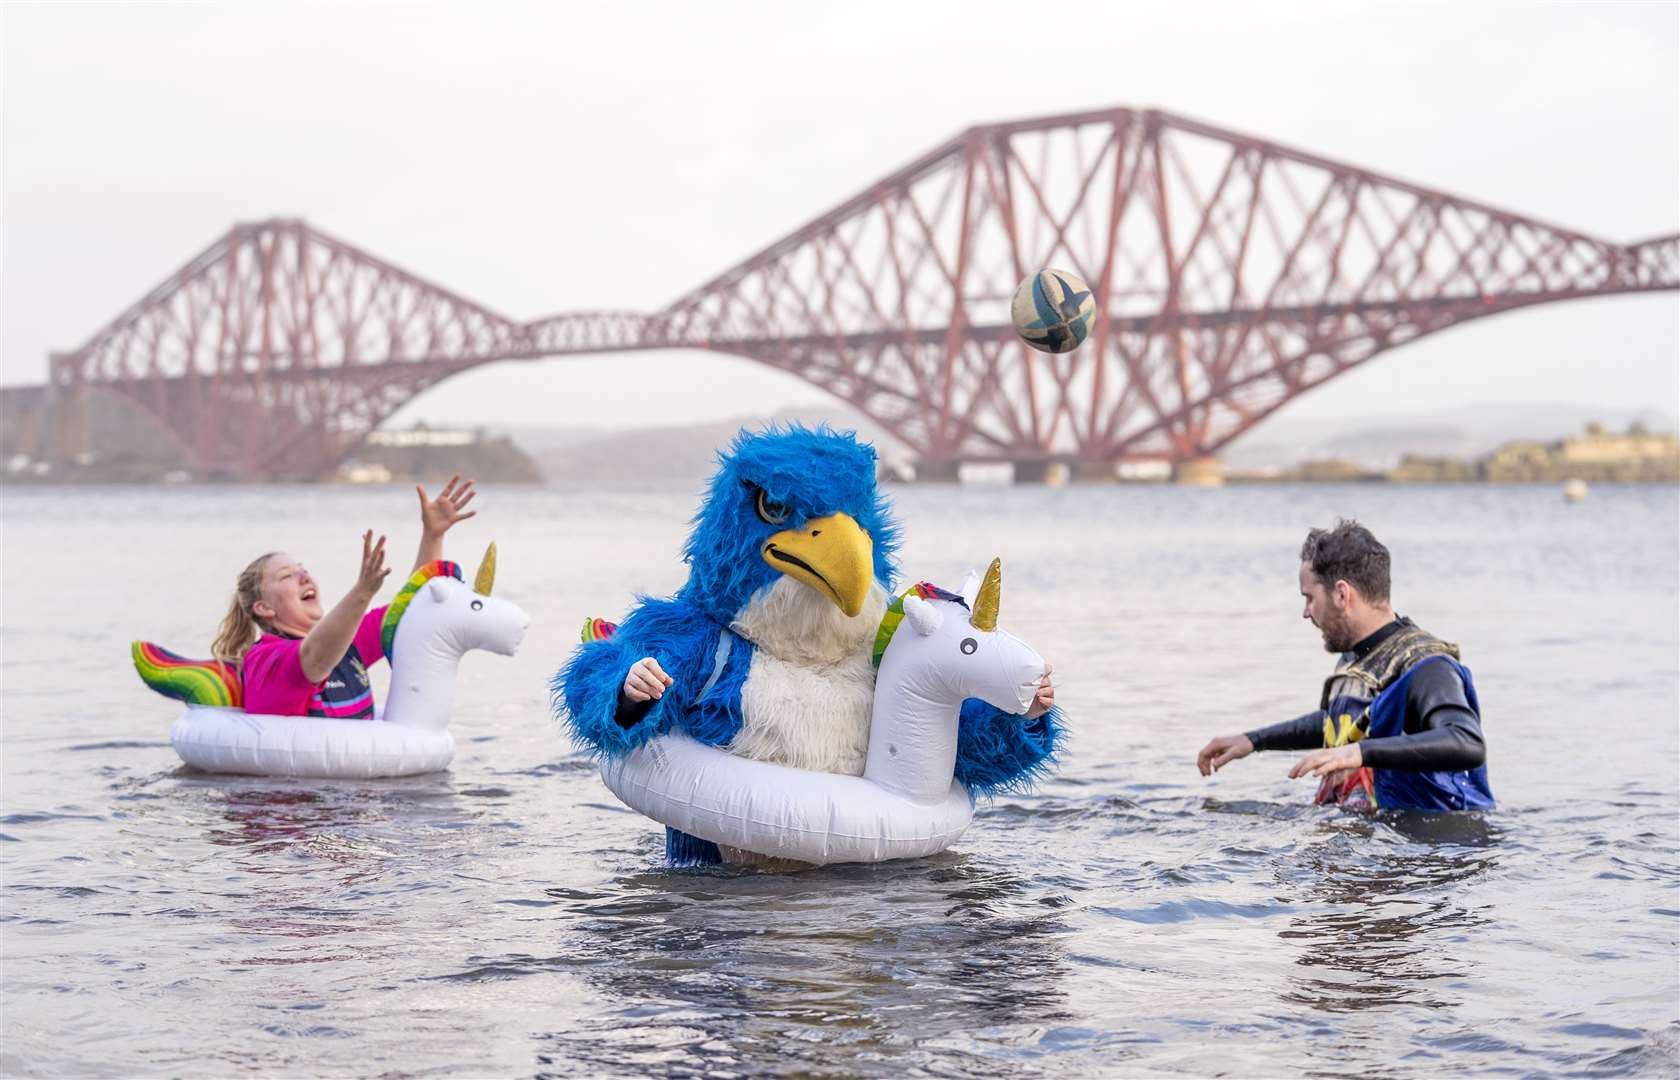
794	505
676	634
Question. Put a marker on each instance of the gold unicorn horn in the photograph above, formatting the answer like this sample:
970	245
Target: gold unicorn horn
486	576
986	603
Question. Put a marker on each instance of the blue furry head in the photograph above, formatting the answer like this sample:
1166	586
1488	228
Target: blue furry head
802	473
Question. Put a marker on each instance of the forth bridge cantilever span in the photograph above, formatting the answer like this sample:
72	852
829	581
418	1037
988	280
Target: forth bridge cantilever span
1232	275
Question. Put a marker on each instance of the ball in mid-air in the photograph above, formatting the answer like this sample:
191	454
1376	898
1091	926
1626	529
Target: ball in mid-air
1053	311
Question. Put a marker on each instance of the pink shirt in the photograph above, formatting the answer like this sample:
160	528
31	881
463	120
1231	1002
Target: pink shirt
276	685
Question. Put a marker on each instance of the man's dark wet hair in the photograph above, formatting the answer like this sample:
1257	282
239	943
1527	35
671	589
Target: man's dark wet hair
1348	552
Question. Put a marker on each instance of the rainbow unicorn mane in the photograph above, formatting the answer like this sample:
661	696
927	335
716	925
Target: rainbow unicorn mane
895	614
399	603
196	682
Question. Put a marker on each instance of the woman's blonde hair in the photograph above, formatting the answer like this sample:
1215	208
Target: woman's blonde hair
241	626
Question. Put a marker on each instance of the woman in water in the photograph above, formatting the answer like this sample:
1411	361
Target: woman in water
297	660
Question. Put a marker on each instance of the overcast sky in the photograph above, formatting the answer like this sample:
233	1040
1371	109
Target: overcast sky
558	157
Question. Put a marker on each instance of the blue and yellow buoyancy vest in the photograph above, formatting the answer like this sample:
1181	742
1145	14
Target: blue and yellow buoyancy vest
1366	698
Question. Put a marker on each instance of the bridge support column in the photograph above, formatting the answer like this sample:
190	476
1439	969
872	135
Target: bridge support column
26	437
1095	472
937	471
1048	473
70	434
1206	472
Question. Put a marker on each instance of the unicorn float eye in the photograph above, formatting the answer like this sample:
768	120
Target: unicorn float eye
478	605
968	646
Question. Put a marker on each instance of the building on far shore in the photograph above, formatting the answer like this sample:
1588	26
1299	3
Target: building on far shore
1426	469
426	453
1596	456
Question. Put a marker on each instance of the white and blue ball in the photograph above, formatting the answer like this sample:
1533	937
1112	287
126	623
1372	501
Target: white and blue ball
1053	311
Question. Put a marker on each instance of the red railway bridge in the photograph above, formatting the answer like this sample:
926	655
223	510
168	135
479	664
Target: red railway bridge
1232	274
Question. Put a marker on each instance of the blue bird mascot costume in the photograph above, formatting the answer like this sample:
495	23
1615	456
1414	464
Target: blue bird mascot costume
768	644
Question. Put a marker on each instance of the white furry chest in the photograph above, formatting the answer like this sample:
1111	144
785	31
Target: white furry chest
807	717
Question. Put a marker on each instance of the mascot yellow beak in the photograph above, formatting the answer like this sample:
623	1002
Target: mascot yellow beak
833	555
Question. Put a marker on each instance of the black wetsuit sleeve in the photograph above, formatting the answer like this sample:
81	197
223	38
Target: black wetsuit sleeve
1302	733
1442	733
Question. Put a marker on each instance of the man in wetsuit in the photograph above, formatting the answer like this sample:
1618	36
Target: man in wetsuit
1398	725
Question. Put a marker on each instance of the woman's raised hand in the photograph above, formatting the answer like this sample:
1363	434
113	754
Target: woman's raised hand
323	647
437	515
374	569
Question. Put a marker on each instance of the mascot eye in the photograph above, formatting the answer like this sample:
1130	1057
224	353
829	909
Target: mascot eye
770	511
968	646
478	605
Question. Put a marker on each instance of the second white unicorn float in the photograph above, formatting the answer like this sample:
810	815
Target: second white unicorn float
940	650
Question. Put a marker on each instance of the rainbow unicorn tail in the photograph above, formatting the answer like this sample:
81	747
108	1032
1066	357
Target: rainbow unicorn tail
196	682
597	630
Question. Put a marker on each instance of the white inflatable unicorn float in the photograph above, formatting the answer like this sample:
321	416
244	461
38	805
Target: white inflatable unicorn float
433	621
906	804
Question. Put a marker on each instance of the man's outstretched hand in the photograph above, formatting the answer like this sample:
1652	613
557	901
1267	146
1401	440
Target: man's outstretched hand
1221	752
1325	762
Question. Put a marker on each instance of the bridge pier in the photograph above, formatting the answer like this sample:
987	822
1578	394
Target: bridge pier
1049	473
1208	472
71	438
1095	472
938	472
26	437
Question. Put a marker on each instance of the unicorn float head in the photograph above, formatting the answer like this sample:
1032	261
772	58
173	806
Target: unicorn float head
433	621
952	651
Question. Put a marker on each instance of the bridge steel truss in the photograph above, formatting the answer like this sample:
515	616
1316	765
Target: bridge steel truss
1232	274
